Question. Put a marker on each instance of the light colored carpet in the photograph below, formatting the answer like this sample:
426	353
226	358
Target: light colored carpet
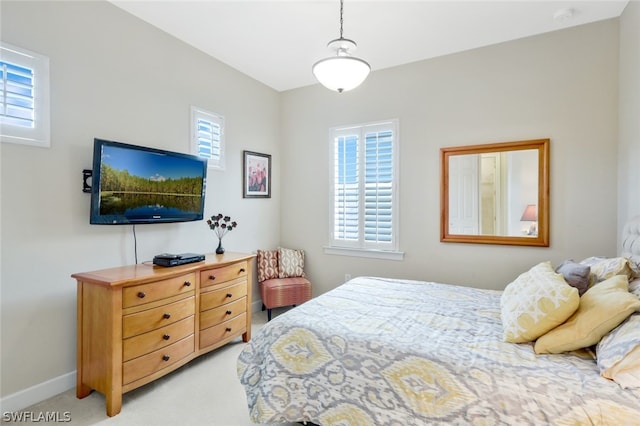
206	391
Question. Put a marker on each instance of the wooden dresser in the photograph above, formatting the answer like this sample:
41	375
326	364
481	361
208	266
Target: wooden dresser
137	323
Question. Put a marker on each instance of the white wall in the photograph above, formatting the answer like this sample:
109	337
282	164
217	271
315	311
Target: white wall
562	85
629	94
116	77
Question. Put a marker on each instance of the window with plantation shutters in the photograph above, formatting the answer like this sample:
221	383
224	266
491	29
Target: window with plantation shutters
364	215
24	97
207	137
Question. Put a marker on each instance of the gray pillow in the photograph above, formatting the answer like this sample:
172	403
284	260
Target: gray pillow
575	274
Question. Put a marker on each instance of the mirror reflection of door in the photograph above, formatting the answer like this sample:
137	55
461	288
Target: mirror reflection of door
463	194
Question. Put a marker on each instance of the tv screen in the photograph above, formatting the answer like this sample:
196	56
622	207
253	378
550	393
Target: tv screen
134	184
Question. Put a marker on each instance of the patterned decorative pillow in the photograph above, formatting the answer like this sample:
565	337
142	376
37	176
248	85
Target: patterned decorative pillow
575	274
267	264
537	301
291	263
602	308
634	263
603	268
618	353
590	261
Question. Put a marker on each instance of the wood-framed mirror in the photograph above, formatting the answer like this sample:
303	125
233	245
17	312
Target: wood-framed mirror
495	193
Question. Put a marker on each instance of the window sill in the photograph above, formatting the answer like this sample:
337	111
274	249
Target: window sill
373	254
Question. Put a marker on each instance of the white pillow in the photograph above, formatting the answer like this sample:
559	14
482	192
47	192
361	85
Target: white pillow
290	263
618	353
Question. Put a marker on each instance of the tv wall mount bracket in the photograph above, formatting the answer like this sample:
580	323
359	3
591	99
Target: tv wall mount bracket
86	174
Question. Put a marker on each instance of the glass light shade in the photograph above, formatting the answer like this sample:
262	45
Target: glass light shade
341	73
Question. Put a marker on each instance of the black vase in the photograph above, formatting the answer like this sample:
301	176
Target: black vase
220	249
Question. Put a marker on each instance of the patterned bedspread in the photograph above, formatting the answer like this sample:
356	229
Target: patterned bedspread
396	352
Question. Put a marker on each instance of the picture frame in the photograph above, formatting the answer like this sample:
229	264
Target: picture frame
256	175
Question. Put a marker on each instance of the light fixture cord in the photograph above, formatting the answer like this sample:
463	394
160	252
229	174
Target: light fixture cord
341	9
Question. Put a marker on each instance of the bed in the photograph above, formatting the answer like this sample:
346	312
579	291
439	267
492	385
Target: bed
379	351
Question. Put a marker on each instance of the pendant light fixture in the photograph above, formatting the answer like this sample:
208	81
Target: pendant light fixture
341	72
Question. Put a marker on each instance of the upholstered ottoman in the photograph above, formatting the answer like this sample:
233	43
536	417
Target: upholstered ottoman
279	292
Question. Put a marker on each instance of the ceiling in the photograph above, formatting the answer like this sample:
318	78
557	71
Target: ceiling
277	42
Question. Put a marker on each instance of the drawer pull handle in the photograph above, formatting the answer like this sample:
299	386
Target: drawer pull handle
187	283
166	357
228	329
141	294
243	270
212	277
229	295
166	337
228	312
166	316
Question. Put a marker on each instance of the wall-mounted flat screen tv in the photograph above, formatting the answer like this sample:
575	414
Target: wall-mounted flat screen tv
134	184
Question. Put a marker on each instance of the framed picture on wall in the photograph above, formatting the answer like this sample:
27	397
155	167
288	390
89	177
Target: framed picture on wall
256	175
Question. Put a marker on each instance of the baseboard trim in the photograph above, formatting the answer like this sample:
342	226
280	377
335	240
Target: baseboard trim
256	306
45	390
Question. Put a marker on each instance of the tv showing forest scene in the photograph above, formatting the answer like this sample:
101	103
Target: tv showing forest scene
134	184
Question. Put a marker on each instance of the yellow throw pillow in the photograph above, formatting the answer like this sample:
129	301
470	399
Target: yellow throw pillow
537	301
602	308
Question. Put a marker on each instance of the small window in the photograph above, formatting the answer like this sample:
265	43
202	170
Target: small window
207	137
364	197
24	97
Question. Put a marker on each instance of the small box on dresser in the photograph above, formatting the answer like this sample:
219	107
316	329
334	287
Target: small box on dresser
137	323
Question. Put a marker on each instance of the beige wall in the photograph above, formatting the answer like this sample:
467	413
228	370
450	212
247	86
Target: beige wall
116	77
629	131
561	85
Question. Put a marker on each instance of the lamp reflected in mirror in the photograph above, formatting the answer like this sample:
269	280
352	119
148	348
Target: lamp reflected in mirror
530	215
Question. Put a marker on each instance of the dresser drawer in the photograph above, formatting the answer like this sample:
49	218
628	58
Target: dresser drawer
221	331
143	366
217	315
146	293
222	296
215	276
142	344
151	319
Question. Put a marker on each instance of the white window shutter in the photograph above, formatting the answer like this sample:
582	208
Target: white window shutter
207	137
24	97
378	220
346	201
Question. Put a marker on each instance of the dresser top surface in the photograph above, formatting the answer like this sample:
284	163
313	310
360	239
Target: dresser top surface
123	275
